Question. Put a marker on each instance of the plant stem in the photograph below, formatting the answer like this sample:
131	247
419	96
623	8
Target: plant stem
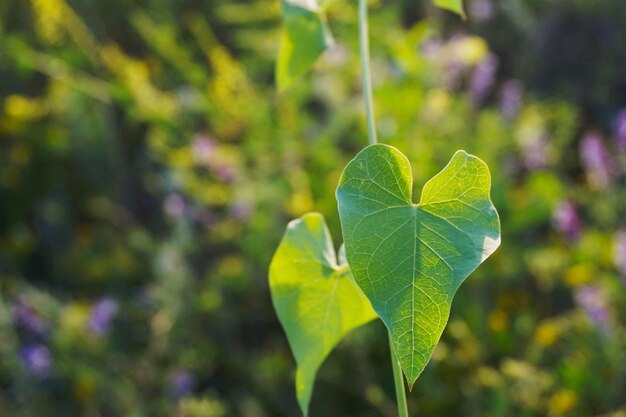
398	380
371	131
365	71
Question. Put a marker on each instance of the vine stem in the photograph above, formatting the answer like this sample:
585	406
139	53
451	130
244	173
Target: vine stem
365	71
371	131
398	380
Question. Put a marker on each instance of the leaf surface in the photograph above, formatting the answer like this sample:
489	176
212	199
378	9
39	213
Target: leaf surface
305	37
315	297
410	259
455	6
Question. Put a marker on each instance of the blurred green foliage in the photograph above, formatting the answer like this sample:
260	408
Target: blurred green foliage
148	169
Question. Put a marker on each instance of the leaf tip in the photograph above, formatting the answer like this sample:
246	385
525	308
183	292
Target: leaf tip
294	223
454	6
311	215
304	408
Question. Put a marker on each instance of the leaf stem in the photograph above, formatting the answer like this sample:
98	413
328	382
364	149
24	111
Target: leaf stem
365	71
398	380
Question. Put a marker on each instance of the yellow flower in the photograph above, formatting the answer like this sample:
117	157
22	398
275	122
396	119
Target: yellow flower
24	108
231	266
85	388
498	321
74	318
472	50
488	377
578	275
438	101
562	401
48	18
547	333
150	102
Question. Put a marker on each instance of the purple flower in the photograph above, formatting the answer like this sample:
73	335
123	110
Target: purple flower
620	130
225	172
37	359
26	317
102	314
448	58
202	215
452	61
481	10
182	383
175	205
241	211
452	74
596	160
431	48
592	299
482	79
511	99
619	254
536	153
566	220
203	148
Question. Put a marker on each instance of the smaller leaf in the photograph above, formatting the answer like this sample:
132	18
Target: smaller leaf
305	37
315	297
455	6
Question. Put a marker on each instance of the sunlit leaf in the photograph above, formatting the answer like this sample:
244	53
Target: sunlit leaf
410	259
315	297
455	6
305	37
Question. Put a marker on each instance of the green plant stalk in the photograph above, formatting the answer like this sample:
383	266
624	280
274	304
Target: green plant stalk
371	131
365	71
398	380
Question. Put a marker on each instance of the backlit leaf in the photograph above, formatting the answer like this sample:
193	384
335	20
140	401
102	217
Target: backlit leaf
315	297
410	259
455	6
305	37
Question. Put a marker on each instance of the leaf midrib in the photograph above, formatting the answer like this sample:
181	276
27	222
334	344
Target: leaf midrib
414	218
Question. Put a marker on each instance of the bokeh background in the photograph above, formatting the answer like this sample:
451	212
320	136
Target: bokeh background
148	169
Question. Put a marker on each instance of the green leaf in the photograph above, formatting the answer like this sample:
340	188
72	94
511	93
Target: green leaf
315	297
455	6
409	259
305	37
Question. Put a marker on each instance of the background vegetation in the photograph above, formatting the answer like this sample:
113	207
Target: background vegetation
148	169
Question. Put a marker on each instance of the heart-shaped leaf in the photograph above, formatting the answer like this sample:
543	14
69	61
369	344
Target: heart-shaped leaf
316	298
455	6
409	259
305	37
